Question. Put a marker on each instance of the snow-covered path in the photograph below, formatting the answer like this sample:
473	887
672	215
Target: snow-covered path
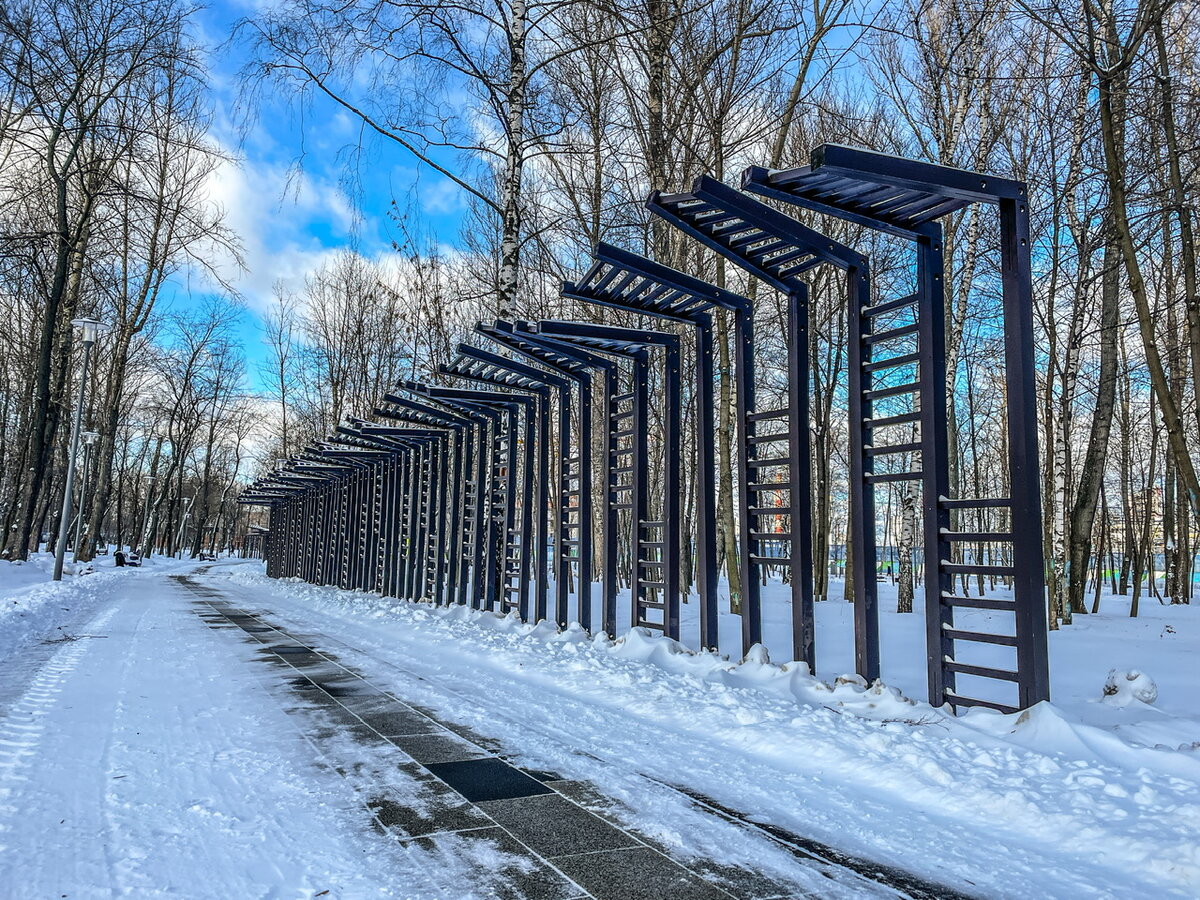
154	752
167	752
993	805
144	759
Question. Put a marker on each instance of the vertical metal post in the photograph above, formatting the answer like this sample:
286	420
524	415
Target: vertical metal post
751	599
526	551
707	575
935	460
672	506
611	513
1029	593
542	588
562	542
584	532
862	494
641	494
483	511
800	478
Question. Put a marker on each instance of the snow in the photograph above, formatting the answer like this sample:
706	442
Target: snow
1088	799
148	757
147	761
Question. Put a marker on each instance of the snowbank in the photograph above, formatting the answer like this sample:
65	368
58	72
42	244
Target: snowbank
1112	801
33	607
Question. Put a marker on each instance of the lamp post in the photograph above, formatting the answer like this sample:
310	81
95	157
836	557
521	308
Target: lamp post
89	441
183	520
146	517
90	330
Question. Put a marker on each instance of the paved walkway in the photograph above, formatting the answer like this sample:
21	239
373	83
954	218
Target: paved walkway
461	790
553	833
172	745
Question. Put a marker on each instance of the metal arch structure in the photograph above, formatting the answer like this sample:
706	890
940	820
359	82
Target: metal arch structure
575	466
609	369
907	198
637	345
446	496
779	251
521	543
623	280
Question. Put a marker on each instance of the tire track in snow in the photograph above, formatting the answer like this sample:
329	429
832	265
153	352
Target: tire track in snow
23	724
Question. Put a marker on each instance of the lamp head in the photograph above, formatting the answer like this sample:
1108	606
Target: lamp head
90	329
90	437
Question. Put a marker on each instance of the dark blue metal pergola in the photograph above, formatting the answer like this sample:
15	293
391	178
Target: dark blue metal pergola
484	490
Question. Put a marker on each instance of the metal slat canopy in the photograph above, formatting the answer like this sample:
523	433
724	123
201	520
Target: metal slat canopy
627	281
907	198
779	251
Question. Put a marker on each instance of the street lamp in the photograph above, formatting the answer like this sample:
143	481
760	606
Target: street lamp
89	441
183	520
90	330
146	546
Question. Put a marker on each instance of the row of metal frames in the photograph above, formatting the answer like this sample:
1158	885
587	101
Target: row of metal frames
484	494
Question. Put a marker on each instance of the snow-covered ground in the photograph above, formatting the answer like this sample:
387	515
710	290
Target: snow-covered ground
192	772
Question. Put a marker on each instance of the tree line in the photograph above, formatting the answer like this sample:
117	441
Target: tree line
554	118
105	210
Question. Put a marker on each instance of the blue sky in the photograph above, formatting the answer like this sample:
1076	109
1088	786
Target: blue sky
290	219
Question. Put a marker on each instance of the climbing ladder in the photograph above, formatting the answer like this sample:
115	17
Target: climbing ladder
571	528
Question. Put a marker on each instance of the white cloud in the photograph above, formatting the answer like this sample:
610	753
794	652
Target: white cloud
288	224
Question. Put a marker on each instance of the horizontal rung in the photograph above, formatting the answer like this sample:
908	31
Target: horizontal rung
982	503
771	486
651	562
619	398
891	334
889	477
770	560
659	585
651	544
981	637
982	671
621	505
956	700
621	470
892	448
891	362
771	535
627	433
769	510
889	306
769	438
975	569
769	461
977	602
648	523
911	387
571	493
657	626
616	417
902	419
768	414
994	536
